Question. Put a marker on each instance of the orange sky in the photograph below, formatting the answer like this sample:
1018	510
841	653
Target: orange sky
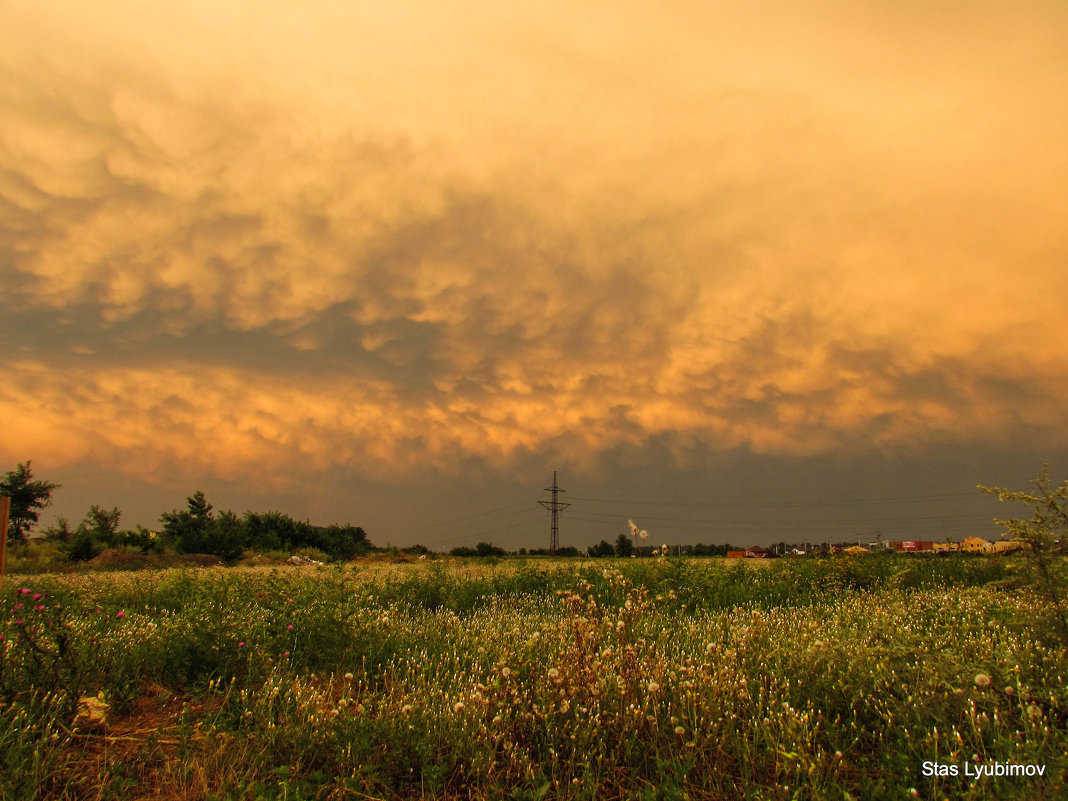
393	241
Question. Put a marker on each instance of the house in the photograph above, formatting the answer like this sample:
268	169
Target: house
975	545
756	552
735	554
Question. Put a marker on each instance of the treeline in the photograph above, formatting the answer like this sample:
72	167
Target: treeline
197	529
623	547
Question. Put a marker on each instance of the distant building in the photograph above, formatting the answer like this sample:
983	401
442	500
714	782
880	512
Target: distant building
913	546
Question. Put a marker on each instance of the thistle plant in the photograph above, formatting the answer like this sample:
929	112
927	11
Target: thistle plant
637	533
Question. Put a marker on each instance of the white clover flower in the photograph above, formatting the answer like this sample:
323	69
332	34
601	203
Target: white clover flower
554	673
982	680
653	686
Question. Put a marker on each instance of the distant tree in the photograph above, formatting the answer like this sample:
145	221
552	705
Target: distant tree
198	530
603	548
463	550
488	549
624	547
188	529
226	537
59	532
568	550
28	497
270	531
98	530
103	526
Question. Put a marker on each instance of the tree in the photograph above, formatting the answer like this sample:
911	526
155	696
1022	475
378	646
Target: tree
191	530
624	547
488	549
603	548
28	497
1044	535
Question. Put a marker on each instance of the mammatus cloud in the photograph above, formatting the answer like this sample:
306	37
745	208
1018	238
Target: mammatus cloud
325	254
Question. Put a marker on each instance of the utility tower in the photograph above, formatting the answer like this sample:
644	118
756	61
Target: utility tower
554	506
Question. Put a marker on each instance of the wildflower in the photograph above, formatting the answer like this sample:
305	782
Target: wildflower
290	627
679	730
121	615
241	644
554	673
653	686
348	677
458	707
406	709
506	672
982	680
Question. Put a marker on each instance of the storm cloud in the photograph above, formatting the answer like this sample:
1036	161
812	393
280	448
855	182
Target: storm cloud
399	242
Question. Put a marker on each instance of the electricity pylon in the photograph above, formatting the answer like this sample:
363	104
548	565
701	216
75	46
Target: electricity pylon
554	506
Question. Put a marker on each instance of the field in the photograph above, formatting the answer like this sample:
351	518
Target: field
611	679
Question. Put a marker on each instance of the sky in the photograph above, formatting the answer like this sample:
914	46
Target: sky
739	271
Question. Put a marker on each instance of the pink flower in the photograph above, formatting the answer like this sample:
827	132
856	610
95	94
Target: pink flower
121	615
290	627
241	645
37	597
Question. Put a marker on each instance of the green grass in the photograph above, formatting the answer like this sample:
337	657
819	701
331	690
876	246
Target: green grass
804	679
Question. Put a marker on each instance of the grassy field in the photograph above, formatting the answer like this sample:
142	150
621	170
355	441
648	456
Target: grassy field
672	678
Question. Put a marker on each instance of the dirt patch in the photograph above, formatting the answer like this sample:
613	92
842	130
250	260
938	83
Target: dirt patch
112	559
201	560
256	561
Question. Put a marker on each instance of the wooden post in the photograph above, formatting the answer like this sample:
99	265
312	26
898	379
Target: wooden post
5	510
